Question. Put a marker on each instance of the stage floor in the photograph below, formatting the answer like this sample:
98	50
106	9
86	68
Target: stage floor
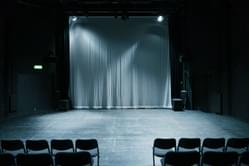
125	136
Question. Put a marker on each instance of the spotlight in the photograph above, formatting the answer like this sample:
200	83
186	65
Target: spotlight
74	18
37	67
160	18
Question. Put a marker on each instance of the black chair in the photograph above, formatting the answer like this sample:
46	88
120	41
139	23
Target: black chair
244	159
239	145
73	159
37	146
61	145
161	146
88	145
189	144
220	158
182	158
42	159
7	159
213	144
12	146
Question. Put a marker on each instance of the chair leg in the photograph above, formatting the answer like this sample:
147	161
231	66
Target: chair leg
98	160
153	160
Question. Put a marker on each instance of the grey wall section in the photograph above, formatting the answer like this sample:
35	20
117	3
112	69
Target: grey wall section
34	92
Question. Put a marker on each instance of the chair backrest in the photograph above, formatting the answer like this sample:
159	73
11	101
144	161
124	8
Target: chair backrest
7	159
163	145
89	145
12	146
213	144
244	158
61	145
86	144
182	158
189	144
220	158
239	145
37	146
42	159
73	158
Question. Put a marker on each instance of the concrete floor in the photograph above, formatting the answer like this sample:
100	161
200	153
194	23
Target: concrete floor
125	136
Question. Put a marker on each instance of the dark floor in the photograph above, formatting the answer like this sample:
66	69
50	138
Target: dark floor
125	136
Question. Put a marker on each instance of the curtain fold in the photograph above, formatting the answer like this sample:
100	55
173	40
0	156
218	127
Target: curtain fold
119	64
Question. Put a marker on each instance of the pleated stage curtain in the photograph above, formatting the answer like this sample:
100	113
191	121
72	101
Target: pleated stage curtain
118	63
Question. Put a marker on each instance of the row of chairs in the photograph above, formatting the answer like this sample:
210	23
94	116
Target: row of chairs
84	159
16	147
163	145
207	158
45	159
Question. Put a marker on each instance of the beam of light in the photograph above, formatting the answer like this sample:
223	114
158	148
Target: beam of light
160	18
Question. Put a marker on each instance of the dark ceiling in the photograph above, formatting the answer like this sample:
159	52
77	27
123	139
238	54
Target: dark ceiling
107	7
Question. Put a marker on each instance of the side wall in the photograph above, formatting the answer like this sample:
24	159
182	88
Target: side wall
215	43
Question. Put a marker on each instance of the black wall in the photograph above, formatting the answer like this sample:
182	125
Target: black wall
239	59
1	66
205	33
29	38
214	42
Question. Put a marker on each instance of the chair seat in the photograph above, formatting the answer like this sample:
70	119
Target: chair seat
238	150
212	150
58	151
38	151
187	150
15	152
161	152
93	152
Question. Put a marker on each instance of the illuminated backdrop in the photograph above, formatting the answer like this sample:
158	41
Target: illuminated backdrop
117	63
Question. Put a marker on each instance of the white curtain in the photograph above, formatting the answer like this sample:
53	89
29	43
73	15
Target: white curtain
118	63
